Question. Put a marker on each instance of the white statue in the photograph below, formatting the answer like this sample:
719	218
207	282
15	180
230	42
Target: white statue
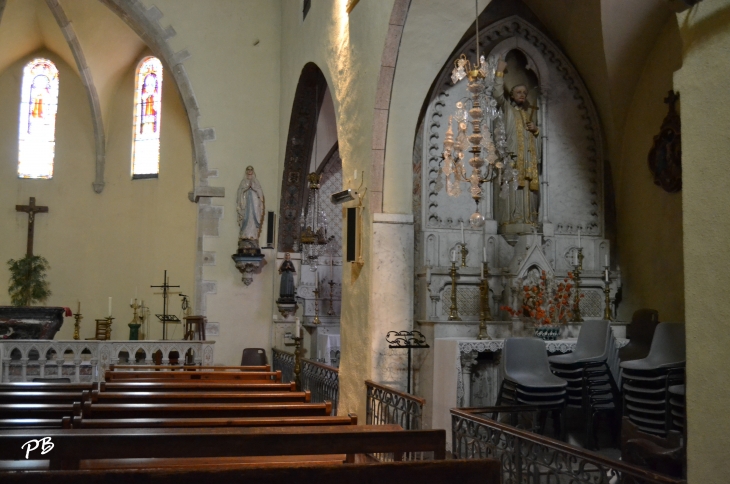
250	206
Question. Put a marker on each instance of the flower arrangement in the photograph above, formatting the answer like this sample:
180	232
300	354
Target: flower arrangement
547	301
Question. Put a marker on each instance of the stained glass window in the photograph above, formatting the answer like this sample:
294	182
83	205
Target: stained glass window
147	110
37	125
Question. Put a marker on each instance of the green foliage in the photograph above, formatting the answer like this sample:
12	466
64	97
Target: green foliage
28	280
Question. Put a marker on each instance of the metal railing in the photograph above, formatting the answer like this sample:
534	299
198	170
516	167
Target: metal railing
320	379
531	458
386	406
389	406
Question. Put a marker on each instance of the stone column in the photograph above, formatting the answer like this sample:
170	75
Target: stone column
468	360
391	296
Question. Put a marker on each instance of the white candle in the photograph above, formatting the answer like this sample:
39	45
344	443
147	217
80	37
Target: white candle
110	305
606	260
462	233
131	302
452	256
575	258
579	237
297	329
482	271
484	253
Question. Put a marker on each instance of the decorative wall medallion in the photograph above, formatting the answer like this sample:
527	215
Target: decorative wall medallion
665	157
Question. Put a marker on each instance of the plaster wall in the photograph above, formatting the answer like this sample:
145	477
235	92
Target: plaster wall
650	219
348	50
702	83
100	245
234	71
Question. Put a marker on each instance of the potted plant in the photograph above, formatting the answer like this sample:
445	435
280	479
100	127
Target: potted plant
28	286
548	303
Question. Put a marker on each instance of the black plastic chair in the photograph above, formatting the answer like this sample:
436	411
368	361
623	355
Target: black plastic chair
254	357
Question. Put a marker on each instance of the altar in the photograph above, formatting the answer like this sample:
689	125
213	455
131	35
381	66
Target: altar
465	366
87	361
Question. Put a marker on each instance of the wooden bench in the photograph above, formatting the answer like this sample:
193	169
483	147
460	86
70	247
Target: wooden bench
200	410
193	375
132	423
48	387
194	397
72	446
187	368
197	386
42	397
475	471
14	411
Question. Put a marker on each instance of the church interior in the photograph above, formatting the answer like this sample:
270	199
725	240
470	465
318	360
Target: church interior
405	212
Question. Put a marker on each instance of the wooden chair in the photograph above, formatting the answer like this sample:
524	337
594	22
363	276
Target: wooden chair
103	330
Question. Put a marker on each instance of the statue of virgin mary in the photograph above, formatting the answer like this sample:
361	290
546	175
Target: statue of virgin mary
250	207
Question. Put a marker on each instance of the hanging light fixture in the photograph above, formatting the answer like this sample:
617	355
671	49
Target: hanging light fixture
479	110
313	222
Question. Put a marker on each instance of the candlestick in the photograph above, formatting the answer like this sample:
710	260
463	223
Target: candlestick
464	252
453	312
78	318
607	309
462	233
316	319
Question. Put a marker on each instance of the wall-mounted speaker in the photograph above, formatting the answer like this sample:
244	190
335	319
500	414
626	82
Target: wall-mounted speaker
270	230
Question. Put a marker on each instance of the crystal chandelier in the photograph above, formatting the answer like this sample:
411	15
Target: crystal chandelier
313	224
479	110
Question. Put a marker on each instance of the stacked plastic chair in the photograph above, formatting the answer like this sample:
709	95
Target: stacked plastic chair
646	381
640	332
527	379
676	407
591	371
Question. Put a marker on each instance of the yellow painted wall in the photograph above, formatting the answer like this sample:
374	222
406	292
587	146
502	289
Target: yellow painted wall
702	83
649	219
234	71
108	244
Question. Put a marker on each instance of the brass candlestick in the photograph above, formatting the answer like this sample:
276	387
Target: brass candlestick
485	312
136	322
453	312
607	291
464	252
577	318
316	307
331	310
297	360
109	328
77	325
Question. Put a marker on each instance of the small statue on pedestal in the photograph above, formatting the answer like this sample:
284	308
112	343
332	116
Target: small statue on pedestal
250	207
287	303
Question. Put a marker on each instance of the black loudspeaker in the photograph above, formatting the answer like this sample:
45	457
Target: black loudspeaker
351	249
270	229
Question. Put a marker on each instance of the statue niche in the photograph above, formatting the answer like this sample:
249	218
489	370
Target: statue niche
516	90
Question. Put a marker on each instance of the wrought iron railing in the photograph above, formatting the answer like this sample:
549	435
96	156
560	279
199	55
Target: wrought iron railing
320	379
283	361
389	406
531	458
386	406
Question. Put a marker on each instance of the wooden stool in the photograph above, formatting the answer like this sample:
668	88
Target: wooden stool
195	324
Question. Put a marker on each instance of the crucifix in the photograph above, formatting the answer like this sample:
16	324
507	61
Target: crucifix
164	317
31	209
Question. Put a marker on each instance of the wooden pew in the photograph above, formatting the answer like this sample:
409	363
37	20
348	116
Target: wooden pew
42	397
150	423
189	410
47	387
193	375
95	396
72	446
197	386
187	368
475	471
12	411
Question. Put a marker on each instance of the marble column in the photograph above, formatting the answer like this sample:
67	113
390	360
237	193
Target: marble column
468	361
391	299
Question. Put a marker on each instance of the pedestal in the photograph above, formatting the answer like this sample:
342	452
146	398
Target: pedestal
134	331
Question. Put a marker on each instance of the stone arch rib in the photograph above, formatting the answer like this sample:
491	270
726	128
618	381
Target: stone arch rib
382	102
86	78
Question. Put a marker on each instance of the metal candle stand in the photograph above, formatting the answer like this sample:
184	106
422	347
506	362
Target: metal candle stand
577	318
407	340
316	319
607	291
297	344
453	311
485	313
77	325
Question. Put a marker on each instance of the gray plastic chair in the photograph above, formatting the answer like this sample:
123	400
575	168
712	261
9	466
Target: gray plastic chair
640	333
254	357
667	350
525	363
592	345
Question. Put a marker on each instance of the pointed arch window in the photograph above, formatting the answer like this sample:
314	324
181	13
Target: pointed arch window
37	121
147	111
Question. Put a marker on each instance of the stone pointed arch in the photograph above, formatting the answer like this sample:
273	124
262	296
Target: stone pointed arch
146	23
91	93
299	142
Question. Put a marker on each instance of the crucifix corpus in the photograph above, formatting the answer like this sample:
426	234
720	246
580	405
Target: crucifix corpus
31	209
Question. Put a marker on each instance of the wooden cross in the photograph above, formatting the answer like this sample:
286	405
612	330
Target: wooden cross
31	209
